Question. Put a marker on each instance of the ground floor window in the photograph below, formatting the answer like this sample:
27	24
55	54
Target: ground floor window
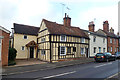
94	49
103	49
74	49
42	52
99	49
82	50
111	49
68	49
62	50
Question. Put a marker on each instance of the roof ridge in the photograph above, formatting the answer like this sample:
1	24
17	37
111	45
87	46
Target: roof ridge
25	25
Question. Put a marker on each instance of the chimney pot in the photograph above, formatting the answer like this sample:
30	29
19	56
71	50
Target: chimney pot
106	26
91	26
67	21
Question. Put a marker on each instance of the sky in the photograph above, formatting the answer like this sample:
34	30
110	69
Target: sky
31	12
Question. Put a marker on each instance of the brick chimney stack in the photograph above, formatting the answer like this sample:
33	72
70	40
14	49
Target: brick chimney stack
91	26
67	20
106	26
112	30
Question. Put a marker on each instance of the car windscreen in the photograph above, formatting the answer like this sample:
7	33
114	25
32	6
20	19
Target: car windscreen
99	54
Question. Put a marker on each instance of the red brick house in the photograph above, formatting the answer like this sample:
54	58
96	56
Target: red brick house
4	45
112	39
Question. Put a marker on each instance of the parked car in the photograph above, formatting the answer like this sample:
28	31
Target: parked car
117	54
104	57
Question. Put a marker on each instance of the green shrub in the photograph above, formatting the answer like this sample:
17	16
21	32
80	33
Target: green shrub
12	54
11	63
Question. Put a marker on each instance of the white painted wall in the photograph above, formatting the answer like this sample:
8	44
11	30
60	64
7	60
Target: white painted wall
97	44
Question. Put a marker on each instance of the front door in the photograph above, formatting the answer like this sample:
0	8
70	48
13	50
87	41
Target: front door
86	51
31	52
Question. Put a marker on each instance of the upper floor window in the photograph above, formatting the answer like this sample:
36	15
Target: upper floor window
43	39
111	40
82	40
22	48
94	39
62	50
25	36
62	38
115	41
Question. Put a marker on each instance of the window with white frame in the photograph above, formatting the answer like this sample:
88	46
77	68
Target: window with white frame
62	50
25	36
63	38
103	49
82	50
110	40
111	49
22	48
43	39
42	52
82	40
99	49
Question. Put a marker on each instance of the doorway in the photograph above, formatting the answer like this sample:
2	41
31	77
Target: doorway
86	51
31	52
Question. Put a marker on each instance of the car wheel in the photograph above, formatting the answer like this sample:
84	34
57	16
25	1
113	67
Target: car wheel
107	60
115	59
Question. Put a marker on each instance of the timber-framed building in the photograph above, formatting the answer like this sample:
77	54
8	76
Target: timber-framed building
61	41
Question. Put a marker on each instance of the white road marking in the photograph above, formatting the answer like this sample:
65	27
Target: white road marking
114	75
59	74
103	65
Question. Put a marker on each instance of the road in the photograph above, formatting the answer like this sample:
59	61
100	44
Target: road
90	70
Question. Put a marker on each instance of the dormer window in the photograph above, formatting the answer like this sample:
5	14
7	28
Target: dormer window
25	36
63	38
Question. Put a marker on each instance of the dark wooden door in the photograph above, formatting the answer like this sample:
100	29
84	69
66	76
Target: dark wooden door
86	51
31	52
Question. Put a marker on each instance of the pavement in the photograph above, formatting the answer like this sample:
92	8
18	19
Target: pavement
10	70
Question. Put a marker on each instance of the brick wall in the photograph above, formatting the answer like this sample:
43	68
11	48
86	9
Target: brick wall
4	49
114	45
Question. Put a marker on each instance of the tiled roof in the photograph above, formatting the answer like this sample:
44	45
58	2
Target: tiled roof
25	29
55	28
94	33
110	34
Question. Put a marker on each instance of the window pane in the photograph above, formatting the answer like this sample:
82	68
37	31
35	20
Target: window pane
25	36
74	49
69	50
